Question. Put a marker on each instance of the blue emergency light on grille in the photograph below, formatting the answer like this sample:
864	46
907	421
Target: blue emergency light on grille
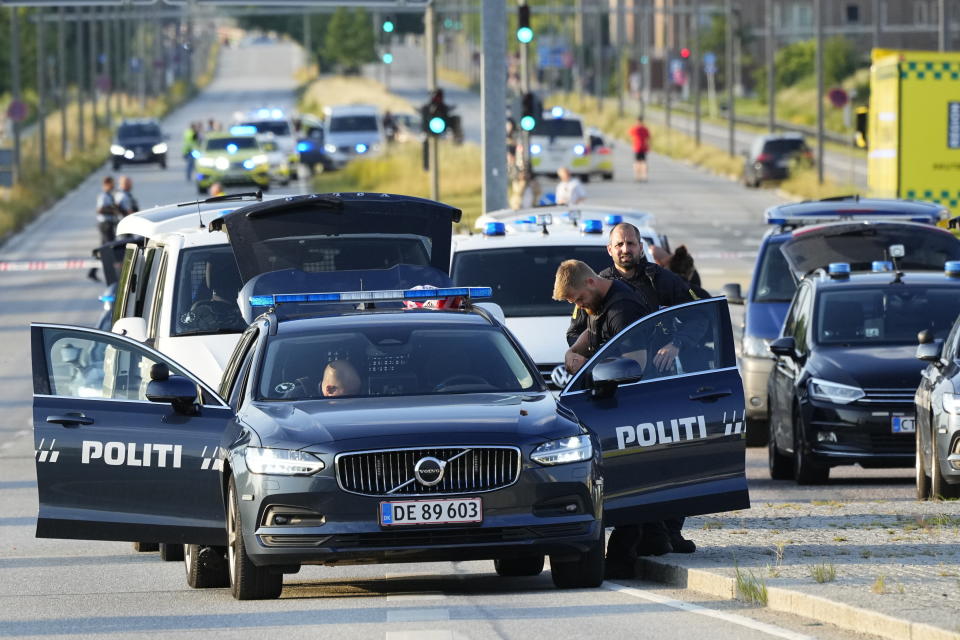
591	226
372	296
613	218
304	146
839	269
952	268
495	229
879	266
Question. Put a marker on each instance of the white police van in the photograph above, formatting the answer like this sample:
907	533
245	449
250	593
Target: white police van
559	140
517	253
275	121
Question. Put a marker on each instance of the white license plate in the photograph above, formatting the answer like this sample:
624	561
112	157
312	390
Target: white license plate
903	424
431	511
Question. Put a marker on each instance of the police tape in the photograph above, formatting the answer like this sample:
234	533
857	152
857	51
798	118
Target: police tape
73	264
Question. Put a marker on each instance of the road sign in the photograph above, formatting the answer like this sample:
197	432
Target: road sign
709	62
838	97
17	110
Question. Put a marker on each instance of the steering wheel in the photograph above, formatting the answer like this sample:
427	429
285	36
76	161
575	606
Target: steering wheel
210	315
459	379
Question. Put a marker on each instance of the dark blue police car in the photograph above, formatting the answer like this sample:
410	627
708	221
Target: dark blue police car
441	444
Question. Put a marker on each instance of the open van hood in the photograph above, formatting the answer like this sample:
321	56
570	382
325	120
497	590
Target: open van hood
339	232
860	243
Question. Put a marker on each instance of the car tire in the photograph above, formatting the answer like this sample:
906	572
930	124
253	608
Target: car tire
781	466
608	176
806	469
116	165
206	567
285	182
517	567
247	580
586	572
939	488
163	164
171	552
922	479
585	178
146	547
758	432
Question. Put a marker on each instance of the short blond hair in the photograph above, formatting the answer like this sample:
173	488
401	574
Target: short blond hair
571	275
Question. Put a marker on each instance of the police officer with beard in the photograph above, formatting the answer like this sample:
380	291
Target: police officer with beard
661	288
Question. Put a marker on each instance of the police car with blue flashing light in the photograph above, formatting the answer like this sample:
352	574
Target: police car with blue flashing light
276	122
843	383
413	456
772	285
518	252
558	140
351	131
281	168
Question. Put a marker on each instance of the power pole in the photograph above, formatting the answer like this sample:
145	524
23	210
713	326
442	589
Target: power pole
41	89
94	55
943	33
430	24
493	95
877	17
15	85
107	64
771	71
731	108
818	23
695	18
598	58
622	72
580	40
81	85
62	79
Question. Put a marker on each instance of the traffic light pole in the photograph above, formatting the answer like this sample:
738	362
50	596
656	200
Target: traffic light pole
430	23
525	89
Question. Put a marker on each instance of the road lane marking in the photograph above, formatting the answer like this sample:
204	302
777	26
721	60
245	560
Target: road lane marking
418	615
413	597
689	607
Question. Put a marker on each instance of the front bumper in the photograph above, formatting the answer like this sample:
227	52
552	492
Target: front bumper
259	176
863	434
140	158
948	444
756	374
526	518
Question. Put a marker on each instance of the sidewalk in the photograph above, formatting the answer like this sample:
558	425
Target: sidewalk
896	564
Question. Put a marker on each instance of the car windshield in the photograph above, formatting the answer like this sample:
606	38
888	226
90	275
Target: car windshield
224	144
276	127
783	146
345	252
888	315
775	283
400	359
138	131
522	277
341	124
558	128
205	295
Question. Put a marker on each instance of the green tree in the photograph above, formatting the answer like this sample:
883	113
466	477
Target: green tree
794	62
349	40
839	60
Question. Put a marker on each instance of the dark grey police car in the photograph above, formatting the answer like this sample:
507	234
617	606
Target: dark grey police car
441	441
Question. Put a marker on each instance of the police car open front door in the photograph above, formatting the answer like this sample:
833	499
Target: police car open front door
110	464
672	429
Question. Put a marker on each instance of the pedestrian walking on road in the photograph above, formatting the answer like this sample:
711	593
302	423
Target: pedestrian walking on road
640	136
191	142
569	190
124	197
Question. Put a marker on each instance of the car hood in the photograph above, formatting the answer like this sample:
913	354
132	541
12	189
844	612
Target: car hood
765	319
237	155
130	142
868	367
364	423
350	138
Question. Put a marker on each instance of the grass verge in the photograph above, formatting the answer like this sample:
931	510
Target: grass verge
751	588
330	91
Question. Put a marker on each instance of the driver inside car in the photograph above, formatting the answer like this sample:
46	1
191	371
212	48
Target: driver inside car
220	310
340	378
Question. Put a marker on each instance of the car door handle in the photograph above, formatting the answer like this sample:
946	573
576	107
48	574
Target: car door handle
70	419
705	394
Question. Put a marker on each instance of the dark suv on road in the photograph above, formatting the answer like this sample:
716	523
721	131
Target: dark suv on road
139	141
771	157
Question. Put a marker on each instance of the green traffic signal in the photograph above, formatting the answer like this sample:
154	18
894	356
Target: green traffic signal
388	58
388	26
525	35
527	123
437	125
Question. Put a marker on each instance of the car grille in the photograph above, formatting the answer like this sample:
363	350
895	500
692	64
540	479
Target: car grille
546	372
236	165
391	472
887	396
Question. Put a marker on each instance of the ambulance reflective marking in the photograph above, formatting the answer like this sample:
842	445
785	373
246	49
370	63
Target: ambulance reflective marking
126	454
647	434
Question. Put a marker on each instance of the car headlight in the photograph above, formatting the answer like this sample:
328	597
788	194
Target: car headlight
116	149
951	403
330	148
160	147
535	149
579	149
564	450
834	392
259	159
222	164
754	347
205	162
281	462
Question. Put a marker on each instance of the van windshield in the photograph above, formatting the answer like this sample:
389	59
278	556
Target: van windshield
558	128
341	124
775	283
205	295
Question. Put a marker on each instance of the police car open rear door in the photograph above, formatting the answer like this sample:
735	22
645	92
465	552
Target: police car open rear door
110	464
672	436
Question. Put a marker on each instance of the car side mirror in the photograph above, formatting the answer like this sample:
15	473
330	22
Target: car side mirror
733	293
924	337
785	346
930	351
609	374
180	392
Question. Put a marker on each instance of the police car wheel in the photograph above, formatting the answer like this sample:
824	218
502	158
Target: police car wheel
516	567
171	552
585	178
583	573
922	479
608	176
247	580
939	489
145	547
806	469
206	567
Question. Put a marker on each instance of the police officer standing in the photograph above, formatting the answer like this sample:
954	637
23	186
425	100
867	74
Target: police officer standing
124	197
108	213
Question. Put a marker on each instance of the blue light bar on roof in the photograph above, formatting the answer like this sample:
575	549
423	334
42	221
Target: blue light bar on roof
839	270
397	295
243	130
952	268
779	218
591	226
495	229
879	266
613	218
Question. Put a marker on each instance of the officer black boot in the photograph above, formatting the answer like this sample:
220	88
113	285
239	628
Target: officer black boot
677	541
621	560
654	540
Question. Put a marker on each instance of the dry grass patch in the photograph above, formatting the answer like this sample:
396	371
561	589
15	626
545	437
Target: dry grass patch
331	91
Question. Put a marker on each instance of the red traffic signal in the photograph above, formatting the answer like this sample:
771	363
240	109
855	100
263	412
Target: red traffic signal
685	53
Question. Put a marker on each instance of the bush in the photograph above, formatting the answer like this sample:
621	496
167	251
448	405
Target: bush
839	60
794	62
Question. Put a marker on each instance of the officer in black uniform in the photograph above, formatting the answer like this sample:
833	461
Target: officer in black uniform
661	288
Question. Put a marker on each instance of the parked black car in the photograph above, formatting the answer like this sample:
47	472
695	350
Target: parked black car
140	141
771	157
311	149
938	407
842	388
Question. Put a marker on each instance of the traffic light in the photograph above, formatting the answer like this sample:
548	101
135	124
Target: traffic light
685	53
524	32
388	26
531	111
435	114
388	58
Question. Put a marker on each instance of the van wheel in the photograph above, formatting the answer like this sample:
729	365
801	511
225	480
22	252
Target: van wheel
247	580
608	176
922	479
583	573
516	567
206	567
171	552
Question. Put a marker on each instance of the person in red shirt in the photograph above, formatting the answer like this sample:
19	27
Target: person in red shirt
641	144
